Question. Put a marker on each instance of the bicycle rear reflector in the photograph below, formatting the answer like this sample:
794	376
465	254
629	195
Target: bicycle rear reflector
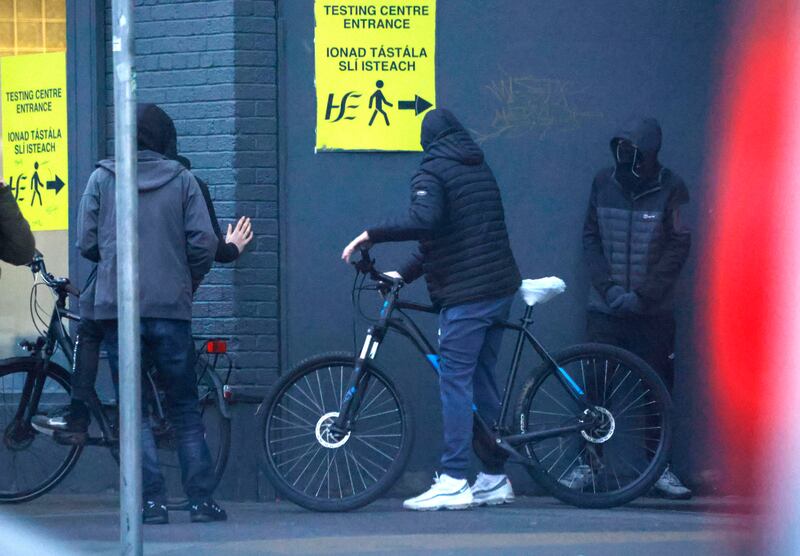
217	346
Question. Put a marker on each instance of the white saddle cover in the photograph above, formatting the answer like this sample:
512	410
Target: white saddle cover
541	290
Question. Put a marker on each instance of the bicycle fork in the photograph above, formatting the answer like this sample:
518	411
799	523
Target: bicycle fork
357	384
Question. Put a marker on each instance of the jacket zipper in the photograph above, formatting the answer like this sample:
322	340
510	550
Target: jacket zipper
630	237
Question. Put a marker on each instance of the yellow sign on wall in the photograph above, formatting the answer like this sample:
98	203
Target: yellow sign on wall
375	73
35	161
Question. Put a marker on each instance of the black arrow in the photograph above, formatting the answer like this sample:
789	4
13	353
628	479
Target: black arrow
418	105
56	184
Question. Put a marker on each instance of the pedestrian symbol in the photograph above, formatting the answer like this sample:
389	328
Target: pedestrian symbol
379	100
375	74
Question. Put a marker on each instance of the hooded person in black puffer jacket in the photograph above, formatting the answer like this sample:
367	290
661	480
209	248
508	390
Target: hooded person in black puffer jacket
635	245
457	218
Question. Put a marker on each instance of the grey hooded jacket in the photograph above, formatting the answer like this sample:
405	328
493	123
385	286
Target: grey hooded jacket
176	240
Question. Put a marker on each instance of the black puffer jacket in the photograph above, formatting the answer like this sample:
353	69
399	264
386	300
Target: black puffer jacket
457	215
633	237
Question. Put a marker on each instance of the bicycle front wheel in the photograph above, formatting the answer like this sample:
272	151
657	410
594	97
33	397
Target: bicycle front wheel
623	454
31	463
317	470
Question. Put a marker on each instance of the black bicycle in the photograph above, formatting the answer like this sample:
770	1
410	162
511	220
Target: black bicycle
591	425
34	461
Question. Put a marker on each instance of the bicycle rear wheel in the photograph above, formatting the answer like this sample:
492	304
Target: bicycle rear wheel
622	456
313	468
31	463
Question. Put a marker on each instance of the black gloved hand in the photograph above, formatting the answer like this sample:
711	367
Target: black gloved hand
627	304
613	293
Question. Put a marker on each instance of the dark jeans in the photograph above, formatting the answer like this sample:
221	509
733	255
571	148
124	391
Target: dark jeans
86	359
468	347
650	337
167	343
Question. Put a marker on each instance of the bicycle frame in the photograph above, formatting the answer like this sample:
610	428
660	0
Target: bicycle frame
409	329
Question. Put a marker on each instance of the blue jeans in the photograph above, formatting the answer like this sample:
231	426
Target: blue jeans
168	344
468	347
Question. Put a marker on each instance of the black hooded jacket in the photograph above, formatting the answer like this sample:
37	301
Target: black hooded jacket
632	236
457	216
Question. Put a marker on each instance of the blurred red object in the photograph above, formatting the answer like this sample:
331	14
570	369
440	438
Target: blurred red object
753	259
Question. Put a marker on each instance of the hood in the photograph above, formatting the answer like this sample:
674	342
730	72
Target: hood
644	133
155	130
443	136
153	170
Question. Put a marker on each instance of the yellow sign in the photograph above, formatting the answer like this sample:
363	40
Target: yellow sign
34	93
375	73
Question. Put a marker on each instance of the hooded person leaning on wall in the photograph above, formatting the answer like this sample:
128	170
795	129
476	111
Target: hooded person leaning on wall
635	245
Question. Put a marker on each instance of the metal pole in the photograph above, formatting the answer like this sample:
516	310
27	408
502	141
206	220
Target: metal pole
130	385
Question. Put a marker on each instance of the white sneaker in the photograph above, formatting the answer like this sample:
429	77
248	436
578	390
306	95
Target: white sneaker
446	492
491	490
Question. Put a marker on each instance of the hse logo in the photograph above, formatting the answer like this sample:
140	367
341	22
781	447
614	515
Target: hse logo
343	106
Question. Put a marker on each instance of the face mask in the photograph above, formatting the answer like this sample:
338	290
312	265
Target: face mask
628	158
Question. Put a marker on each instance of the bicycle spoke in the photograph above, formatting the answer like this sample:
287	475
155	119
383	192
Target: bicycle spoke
569	466
310	460
613	392
369	444
287	410
555	400
298	402
643	394
361	467
311	392
321	463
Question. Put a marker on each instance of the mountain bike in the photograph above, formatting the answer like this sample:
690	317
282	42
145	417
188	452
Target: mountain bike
591	425
34	461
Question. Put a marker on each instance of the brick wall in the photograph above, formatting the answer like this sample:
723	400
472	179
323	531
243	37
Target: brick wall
212	66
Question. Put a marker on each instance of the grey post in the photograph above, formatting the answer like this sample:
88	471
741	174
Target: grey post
130	386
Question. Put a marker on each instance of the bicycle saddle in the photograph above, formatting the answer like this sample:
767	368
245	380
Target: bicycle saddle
541	290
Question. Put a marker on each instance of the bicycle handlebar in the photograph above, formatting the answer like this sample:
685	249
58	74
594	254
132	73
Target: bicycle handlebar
367	266
38	266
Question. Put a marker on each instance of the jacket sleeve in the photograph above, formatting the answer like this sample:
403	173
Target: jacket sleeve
226	252
412	268
593	254
424	215
201	241
88	215
661	277
17	245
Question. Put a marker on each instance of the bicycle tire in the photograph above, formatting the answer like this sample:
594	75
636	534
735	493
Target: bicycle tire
545	475
271	407
56	373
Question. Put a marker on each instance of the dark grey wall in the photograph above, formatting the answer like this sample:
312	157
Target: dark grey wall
542	85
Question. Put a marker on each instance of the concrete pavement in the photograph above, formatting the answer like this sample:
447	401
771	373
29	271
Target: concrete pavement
533	525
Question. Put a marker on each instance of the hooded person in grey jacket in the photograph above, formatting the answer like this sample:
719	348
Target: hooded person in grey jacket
177	244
